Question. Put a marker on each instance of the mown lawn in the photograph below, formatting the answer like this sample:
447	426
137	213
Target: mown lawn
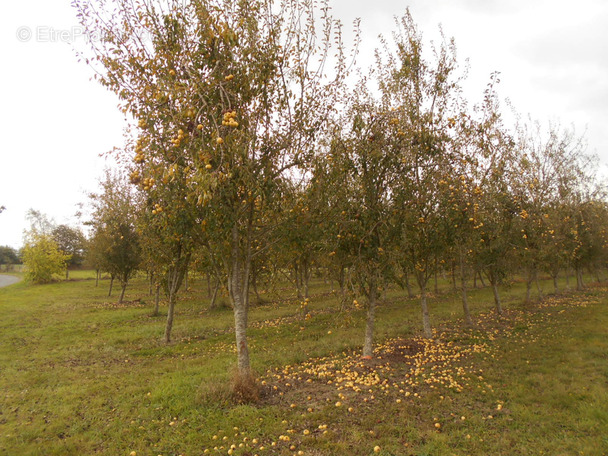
82	375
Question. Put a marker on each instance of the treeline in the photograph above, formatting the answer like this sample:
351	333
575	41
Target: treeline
255	159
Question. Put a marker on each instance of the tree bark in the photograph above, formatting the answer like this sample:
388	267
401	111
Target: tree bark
497	302
175	277
463	289
122	292
238	282
528	291
156	300
305	277
368	346
296	275
579	279
538	287
170	313
111	284
426	321
216	289
555	284
483	283
410	293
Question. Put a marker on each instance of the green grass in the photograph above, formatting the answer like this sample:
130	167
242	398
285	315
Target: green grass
82	375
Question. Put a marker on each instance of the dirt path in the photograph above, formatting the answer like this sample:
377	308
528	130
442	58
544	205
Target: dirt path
6	280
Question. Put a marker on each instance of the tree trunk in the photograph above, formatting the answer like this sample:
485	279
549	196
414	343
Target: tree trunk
111	284
170	313
213	298
305	277
555	285
497	302
156	300
426	321
454	276
435	274
96	277
186	280
410	293
175	277
296	276
123	286
368	346
579	279
238	283
150	283
529	287
67	274
483	283
463	289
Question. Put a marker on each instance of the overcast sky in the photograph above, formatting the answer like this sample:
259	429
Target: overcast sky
55	122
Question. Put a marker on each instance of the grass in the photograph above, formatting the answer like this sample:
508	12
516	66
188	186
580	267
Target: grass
82	375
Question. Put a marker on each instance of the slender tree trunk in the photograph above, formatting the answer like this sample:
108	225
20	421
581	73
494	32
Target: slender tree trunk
305	277
238	280
170	314
368	346
454	276
296	276
150	283
186	280
111	284
67	274
497	302
426	320
408	285
483	283
213	298
579	279
435	274
156	300
209	291
96	277
555	284
529	286
122	291
463	288
538	287
175	277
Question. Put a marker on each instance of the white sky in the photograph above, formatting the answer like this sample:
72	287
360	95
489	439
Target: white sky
54	121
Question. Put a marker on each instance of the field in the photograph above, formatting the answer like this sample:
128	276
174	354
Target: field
80	374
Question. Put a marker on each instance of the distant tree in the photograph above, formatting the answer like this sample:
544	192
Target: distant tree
8	256
117	249
72	242
42	258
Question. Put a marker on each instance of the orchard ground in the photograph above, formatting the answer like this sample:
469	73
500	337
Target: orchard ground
82	375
